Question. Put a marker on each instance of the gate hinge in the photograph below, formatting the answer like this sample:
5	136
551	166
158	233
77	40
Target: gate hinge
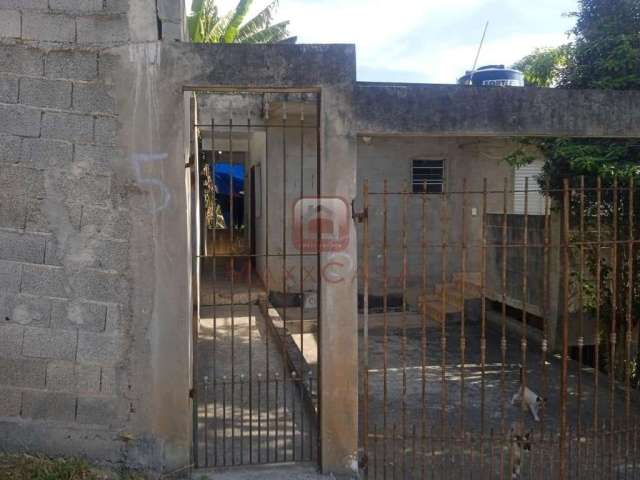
192	393
358	217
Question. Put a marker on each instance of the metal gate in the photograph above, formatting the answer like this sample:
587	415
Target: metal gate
256	312
466	305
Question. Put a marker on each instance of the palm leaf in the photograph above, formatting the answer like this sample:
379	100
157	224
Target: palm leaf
261	21
274	33
238	17
204	17
217	31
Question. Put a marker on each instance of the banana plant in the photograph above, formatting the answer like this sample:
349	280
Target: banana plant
207	25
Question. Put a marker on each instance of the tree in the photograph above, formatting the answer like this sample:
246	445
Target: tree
606	50
543	67
605	54
206	25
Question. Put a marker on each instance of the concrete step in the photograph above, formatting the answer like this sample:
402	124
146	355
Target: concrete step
453	294
472	277
472	288
432	306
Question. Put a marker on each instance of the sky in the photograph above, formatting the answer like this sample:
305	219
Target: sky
425	41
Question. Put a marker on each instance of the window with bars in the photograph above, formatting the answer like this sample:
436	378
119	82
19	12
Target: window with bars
427	176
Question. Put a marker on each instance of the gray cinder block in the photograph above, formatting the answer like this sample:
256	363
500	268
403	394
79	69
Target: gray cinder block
44	280
72	65
68	126
45	93
93	98
103	29
49	406
22	247
49	343
48	27
19	120
24	372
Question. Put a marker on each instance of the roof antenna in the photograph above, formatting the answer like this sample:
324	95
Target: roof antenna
475	63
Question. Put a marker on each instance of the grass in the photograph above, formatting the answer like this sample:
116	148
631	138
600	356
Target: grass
29	467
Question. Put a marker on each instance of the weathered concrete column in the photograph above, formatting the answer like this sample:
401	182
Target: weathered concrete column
154	126
339	316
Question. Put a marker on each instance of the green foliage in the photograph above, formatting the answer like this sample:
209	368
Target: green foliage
605	54
606	50
571	158
543	67
206	25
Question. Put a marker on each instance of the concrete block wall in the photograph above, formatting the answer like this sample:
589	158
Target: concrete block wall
67	371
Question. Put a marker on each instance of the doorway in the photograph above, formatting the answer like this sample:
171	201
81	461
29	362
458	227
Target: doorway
256	333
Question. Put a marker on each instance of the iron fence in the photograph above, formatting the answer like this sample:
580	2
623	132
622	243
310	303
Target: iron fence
496	344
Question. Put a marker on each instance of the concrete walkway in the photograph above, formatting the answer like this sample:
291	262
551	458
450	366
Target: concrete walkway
267	472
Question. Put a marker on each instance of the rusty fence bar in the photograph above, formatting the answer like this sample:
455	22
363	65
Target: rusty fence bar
491	336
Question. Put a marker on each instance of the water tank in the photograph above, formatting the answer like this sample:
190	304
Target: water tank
493	76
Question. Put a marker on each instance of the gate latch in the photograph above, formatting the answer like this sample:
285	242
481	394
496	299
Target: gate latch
358	217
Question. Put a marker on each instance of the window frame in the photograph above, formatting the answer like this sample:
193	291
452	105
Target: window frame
417	185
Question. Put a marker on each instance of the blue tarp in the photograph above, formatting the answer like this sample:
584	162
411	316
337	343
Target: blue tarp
224	173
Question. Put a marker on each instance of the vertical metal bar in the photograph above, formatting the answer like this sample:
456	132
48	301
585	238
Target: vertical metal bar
318	265
394	449
241	422
284	251
423	337
301	272
259	385
267	277
276	414
375	453
547	298
596	396
483	325
629	332
463	339
580	323
403	345
250	260
293	387
214	278
614	315
630	292
365	315
385	338
525	292
311	436
197	220
232	272
503	337
206	420
443	323
423	453
224	420
565	332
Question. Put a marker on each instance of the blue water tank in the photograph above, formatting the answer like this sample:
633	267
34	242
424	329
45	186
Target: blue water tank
493	76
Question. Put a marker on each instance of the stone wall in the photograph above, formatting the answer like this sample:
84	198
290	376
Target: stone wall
72	363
